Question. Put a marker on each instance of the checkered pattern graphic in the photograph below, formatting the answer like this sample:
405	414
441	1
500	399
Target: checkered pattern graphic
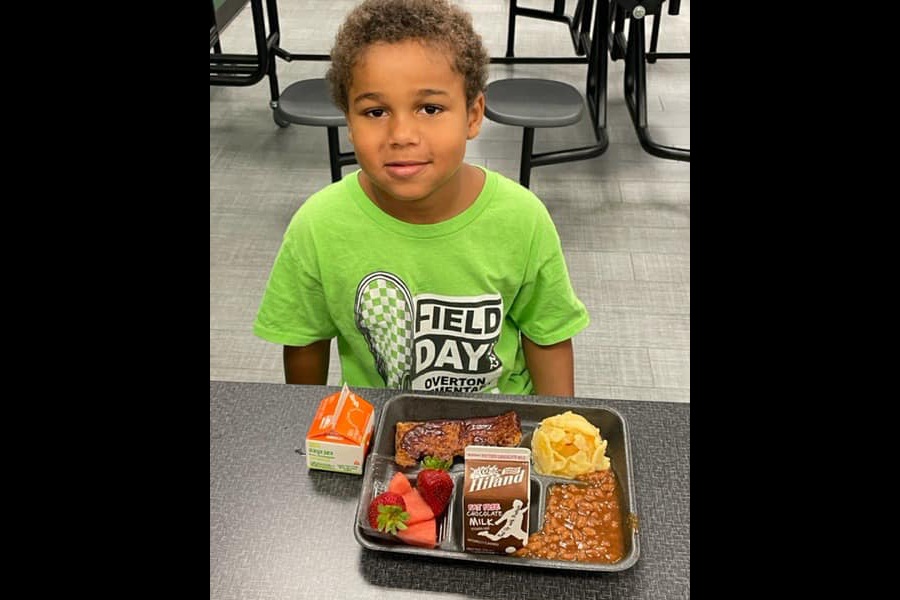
385	318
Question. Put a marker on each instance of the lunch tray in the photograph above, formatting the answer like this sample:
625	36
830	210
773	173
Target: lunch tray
380	468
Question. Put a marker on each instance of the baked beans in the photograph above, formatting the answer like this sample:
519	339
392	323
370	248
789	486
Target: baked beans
581	522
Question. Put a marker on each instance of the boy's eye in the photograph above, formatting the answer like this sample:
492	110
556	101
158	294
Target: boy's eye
375	112
431	109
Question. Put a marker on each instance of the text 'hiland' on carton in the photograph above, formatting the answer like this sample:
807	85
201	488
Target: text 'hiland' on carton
340	433
496	499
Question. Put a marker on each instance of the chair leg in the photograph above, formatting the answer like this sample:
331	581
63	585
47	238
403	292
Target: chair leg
636	95
654	36
619	43
525	164
334	151
511	30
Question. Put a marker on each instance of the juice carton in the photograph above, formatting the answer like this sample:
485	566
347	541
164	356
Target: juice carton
340	433
496	499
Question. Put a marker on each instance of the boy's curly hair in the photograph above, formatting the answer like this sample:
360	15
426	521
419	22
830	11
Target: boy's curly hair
434	22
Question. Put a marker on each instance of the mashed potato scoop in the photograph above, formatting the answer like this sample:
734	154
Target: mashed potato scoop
567	445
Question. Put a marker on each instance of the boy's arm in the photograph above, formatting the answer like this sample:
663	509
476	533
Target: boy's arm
552	367
307	364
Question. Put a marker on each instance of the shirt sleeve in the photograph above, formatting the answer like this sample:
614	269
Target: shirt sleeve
546	309
294	310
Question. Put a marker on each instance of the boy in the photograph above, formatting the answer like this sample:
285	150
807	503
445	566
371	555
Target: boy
433	274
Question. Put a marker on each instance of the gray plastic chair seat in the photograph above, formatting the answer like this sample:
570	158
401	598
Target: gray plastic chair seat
533	103
308	102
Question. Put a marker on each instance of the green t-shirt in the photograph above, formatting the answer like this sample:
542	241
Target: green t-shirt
435	307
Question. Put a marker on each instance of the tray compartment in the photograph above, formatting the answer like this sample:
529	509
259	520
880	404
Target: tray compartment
547	484
378	473
411	407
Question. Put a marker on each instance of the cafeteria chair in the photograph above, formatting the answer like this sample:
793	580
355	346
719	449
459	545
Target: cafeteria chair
540	103
308	102
633	50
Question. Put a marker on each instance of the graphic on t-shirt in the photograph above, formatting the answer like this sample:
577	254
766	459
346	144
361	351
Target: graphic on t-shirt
430	342
384	315
454	342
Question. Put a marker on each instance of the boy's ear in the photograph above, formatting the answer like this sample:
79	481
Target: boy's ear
349	129
476	115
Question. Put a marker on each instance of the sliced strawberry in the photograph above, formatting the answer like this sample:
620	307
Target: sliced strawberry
387	512
435	485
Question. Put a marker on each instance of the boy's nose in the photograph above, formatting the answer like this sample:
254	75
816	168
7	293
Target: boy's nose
403	131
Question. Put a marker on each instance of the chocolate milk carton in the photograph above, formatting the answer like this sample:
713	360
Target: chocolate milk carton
496	499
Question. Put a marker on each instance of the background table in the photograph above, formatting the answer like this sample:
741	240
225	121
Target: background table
280	530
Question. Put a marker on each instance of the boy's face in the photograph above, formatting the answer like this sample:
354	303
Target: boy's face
408	120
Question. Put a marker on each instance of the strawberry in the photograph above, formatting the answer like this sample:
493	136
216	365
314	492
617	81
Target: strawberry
435	485
387	512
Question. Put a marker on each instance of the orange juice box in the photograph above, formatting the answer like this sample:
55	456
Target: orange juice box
340	433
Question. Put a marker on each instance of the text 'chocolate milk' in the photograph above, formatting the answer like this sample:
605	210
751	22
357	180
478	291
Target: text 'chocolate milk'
496	499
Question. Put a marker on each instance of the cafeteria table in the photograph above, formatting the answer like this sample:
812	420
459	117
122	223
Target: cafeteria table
280	530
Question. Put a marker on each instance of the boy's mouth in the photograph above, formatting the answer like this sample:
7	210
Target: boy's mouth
406	168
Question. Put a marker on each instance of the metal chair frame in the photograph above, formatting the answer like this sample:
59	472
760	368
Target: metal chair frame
633	51
674	8
579	28
247	69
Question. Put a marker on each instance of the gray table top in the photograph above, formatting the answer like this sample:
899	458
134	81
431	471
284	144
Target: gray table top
280	530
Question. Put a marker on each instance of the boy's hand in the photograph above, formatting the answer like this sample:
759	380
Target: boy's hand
552	367
307	364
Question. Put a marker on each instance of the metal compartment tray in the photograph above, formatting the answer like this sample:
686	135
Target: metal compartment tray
380	467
